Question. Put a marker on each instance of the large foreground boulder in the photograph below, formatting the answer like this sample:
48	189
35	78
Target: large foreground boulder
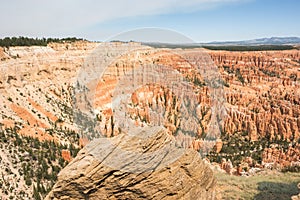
147	165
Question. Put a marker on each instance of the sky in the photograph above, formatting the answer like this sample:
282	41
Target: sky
198	20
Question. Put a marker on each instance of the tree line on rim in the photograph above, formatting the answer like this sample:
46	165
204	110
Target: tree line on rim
25	41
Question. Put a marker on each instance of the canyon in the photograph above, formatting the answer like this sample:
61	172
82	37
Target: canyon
260	111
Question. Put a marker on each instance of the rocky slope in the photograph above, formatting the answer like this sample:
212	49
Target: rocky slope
111	173
35	84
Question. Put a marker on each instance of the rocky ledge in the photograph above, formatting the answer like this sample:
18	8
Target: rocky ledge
145	165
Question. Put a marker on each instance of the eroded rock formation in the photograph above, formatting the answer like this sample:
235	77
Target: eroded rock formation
262	93
272	157
125	167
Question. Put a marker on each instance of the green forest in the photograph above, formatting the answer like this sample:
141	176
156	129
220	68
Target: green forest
26	41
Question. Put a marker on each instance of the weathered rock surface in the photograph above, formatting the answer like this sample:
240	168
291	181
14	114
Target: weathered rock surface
126	167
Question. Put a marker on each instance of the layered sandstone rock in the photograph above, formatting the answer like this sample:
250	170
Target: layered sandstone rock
125	167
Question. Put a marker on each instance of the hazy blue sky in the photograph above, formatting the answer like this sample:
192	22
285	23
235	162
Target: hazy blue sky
201	20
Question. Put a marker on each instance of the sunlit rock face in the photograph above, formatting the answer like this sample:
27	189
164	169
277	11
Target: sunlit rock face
99	173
